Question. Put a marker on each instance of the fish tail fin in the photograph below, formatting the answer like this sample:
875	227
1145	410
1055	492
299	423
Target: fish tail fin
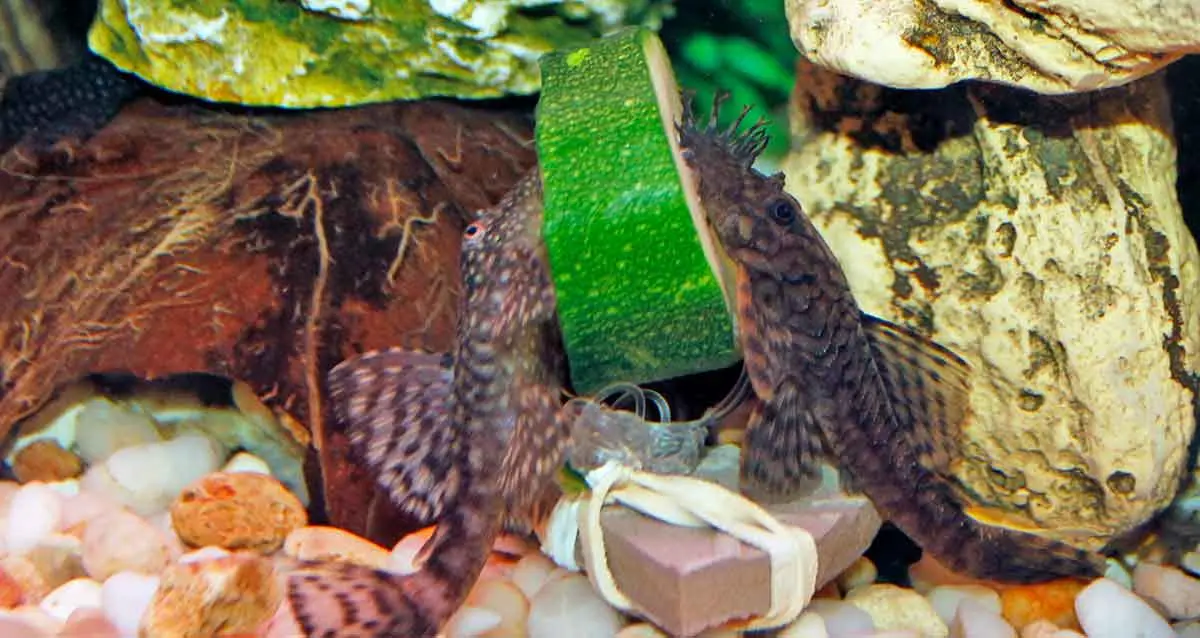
962	543
781	449
1020	557
345	600
394	406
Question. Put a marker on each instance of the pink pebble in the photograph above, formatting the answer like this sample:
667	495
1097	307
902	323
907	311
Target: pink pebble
88	622
17	627
1172	591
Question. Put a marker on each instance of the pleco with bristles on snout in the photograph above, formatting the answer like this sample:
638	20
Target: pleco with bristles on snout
885	402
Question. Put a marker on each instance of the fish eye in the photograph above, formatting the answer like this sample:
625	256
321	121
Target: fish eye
782	211
473	230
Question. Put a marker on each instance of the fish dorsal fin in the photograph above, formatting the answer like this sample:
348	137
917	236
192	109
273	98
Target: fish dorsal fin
929	386
395	406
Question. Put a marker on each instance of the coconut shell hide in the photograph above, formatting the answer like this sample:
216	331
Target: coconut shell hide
262	247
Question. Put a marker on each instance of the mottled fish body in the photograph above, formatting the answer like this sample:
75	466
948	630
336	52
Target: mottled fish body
885	402
459	438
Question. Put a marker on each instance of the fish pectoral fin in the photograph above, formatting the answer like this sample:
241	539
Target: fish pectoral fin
394	406
535	455
929	386
781	449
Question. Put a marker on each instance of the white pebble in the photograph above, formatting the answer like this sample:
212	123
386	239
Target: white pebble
532	572
720	465
35	512
841	618
151	475
162	522
58	558
946	599
65	487
468	622
502	597
85	506
1187	630
1117	572
976	620
808	625
97	480
247	462
71	595
8	489
105	427
1191	562
125	597
120	541
1170	588
404	553
1047	629
1108	610
568	606
206	553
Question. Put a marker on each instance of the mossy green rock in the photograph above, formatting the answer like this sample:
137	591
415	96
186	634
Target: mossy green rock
326	53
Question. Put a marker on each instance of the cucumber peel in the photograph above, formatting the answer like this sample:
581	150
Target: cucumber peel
644	292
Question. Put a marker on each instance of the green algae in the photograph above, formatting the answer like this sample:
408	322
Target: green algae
329	53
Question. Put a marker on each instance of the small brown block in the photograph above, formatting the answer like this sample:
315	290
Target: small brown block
686	580
843	528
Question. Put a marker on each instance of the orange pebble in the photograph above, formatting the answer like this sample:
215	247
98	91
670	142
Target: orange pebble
236	510
1052	600
11	593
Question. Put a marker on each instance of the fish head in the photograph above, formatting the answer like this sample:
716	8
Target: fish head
505	270
760	225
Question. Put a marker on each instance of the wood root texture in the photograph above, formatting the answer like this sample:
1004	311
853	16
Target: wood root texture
260	247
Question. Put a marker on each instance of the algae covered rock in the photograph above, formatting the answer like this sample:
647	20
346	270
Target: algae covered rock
1042	239
328	53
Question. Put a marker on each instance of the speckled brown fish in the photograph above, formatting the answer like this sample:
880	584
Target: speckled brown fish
77	99
882	399
459	439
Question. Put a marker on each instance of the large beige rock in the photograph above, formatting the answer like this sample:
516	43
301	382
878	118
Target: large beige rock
1041	239
1050	46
